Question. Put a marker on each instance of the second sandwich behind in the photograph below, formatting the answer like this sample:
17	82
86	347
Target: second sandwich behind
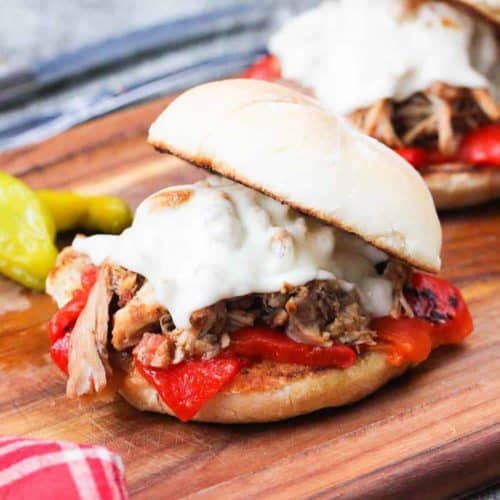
422	77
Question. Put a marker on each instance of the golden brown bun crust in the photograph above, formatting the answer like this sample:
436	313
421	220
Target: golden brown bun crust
484	8
453	190
267	391
284	144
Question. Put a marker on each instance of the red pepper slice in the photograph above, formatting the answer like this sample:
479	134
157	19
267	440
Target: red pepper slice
415	156
187	386
442	317
88	279
266	343
59	352
442	304
403	339
63	321
267	68
481	146
420	157
435	157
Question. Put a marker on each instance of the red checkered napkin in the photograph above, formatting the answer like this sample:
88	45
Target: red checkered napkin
42	470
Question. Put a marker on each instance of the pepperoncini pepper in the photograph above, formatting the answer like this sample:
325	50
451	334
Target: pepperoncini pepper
29	221
71	211
27	232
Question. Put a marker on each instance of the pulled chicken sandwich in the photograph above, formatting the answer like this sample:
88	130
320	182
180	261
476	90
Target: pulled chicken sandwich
294	278
422	77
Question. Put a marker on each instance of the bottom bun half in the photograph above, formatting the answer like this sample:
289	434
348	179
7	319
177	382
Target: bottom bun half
269	391
453	190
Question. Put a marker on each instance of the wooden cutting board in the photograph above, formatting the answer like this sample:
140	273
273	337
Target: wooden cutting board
432	433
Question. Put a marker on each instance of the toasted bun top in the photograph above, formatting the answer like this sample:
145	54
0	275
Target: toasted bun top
284	144
490	9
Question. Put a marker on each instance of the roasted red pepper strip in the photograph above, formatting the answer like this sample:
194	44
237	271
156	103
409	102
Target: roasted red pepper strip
481	146
435	157
265	343
187	386
440	303
267	68
405	340
415	156
442	317
63	321
420	157
59	353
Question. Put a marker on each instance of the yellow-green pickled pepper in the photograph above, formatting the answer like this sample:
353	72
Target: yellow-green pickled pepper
72	211
27	232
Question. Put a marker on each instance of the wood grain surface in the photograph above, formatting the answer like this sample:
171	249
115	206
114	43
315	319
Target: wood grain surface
432	433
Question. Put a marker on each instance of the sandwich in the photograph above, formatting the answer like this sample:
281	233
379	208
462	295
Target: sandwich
423	77
297	276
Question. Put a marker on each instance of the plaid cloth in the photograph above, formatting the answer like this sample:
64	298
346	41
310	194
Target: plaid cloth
59	470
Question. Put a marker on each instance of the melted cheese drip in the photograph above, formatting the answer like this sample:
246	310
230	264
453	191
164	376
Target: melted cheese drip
352	53
216	239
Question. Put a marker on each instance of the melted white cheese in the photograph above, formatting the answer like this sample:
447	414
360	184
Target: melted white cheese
352	53
224	240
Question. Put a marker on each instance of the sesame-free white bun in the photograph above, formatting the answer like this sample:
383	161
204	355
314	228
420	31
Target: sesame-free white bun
489	9
455	190
284	144
268	391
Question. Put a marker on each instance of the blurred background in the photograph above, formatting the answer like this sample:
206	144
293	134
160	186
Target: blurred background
62	63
